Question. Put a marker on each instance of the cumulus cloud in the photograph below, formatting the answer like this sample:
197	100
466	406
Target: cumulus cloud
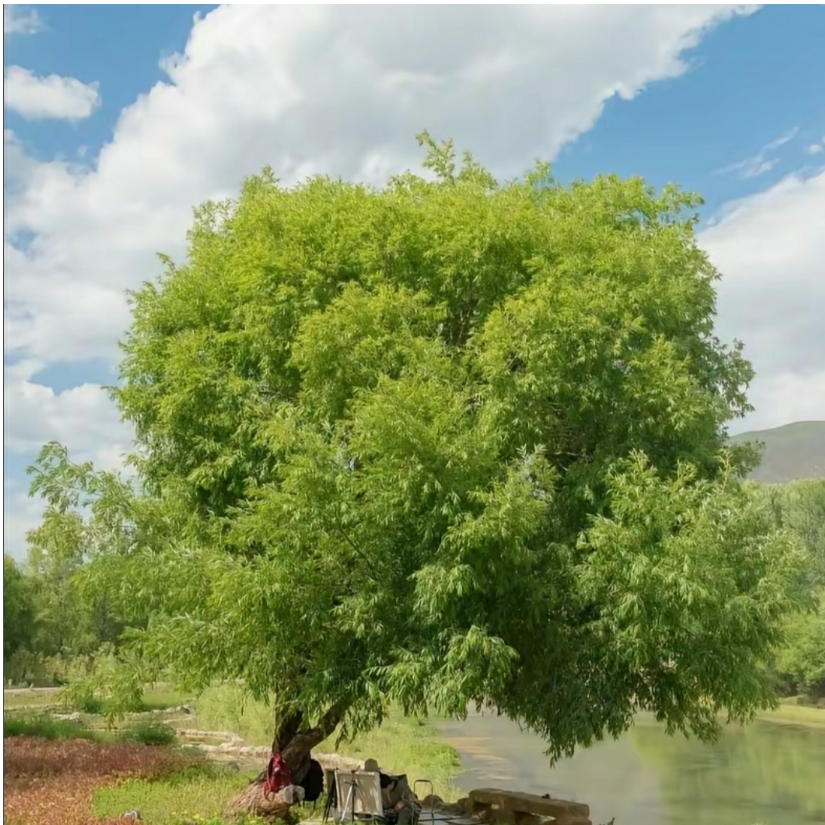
20	515
305	89
53	96
340	89
770	248
816	148
17	165
82	418
18	19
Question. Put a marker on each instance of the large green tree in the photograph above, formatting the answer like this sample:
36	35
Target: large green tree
450	441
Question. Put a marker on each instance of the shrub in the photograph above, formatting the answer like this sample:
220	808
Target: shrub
152	733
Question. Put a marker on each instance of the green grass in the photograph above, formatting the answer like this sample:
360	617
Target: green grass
48	728
28	700
142	733
198	794
202	793
161	698
148	733
790	713
400	745
224	708
156	698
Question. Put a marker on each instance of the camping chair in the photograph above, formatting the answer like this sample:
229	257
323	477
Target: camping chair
358	796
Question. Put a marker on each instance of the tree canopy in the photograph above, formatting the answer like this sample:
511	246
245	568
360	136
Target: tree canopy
449	441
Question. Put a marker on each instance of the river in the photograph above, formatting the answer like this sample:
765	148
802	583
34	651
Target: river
766	773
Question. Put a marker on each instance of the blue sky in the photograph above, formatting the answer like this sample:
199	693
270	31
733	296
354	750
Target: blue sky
119	119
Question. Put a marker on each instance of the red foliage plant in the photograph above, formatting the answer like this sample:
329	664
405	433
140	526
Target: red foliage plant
49	781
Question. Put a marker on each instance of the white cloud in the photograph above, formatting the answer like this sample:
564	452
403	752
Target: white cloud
18	19
761	162
816	148
20	514
787	397
770	248
340	89
82	418
305	89
17	165
35	98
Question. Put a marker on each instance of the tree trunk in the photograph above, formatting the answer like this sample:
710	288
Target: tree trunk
252	802
295	744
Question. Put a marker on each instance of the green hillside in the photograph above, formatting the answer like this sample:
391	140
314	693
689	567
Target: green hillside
791	452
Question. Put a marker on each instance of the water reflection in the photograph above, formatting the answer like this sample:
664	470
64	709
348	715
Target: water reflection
766	773
771	773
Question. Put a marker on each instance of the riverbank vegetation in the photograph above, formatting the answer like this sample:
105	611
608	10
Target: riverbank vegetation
189	786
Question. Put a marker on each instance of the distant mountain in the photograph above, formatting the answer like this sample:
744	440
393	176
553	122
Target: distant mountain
792	452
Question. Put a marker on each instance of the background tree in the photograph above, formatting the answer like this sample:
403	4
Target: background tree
800	661
446	442
799	508
18	610
72	614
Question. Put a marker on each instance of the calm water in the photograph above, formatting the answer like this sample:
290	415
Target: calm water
767	773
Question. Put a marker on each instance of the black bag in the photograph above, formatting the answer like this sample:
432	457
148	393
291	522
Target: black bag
313	782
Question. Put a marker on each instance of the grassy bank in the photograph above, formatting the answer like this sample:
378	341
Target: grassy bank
200	790
791	712
400	745
411	746
29	698
105	773
156	697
